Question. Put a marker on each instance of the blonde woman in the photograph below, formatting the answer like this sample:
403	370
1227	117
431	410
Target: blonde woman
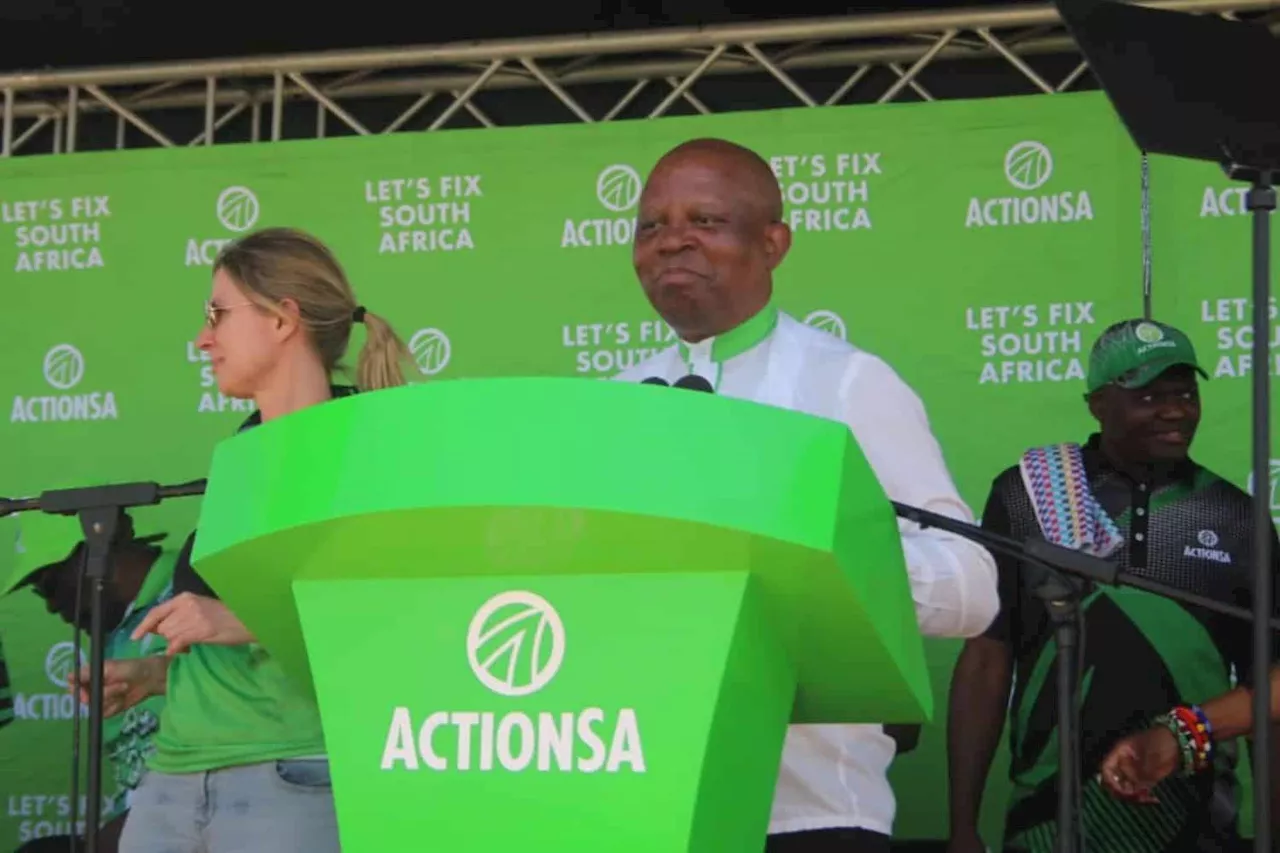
239	763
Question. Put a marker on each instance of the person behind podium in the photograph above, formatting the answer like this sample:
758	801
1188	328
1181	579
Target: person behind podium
240	763
1143	503
139	576
708	237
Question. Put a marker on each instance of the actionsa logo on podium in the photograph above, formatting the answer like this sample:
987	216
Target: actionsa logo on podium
515	645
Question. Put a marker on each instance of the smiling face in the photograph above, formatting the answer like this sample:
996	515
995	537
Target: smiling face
709	237
243	340
1151	424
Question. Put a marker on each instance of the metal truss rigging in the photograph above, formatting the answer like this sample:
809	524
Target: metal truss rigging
918	55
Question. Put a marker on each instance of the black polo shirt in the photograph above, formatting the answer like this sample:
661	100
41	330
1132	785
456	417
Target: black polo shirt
1141	654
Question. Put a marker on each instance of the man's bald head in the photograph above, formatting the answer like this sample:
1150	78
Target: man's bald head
747	170
708	236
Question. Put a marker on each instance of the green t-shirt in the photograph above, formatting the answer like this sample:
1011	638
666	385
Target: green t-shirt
129	738
232	705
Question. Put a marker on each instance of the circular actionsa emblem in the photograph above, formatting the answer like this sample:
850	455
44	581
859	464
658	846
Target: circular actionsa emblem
1148	333
63	367
431	350
515	643
61	662
1028	165
829	322
237	208
618	187
1273	485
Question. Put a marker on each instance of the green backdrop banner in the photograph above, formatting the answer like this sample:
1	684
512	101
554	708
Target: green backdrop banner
978	246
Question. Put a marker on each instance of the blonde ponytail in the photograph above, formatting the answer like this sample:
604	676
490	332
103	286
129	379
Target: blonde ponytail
275	264
383	356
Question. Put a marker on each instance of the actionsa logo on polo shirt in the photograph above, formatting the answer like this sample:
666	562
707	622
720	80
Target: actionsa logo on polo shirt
1207	549
516	645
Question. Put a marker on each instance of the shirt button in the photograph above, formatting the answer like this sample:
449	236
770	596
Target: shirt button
1142	487
1140	511
1138	536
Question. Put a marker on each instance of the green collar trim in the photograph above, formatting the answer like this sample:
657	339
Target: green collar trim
737	340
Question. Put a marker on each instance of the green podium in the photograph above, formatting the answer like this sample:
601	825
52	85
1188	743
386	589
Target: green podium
560	614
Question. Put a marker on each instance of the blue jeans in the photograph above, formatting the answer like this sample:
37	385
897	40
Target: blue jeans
273	807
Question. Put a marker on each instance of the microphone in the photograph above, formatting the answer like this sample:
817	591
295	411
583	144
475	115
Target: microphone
693	382
100	510
182	490
655	380
75	501
8	506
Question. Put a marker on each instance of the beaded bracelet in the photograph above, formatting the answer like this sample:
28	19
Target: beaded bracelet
1206	727
1198	725
1204	720
1194	734
1185	749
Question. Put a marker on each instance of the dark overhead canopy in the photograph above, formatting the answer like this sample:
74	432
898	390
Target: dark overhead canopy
55	33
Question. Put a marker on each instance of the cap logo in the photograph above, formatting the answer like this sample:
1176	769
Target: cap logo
1148	333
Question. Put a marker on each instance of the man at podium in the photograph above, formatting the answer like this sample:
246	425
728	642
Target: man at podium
709	235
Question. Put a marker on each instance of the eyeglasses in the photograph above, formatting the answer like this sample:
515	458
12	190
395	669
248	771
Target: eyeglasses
212	311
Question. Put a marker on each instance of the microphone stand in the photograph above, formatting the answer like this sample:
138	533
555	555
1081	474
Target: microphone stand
1260	200
1068	574
100	509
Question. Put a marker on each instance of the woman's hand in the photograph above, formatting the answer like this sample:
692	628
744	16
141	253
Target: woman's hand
188	619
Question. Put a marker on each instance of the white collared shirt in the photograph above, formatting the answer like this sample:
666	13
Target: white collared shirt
835	775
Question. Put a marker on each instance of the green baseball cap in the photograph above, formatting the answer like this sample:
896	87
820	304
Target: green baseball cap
1132	353
44	539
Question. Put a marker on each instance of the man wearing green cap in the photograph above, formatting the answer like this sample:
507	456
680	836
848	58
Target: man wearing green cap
50	559
1133	495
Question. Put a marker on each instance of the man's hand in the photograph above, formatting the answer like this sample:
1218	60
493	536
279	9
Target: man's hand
188	619
1138	763
125	683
